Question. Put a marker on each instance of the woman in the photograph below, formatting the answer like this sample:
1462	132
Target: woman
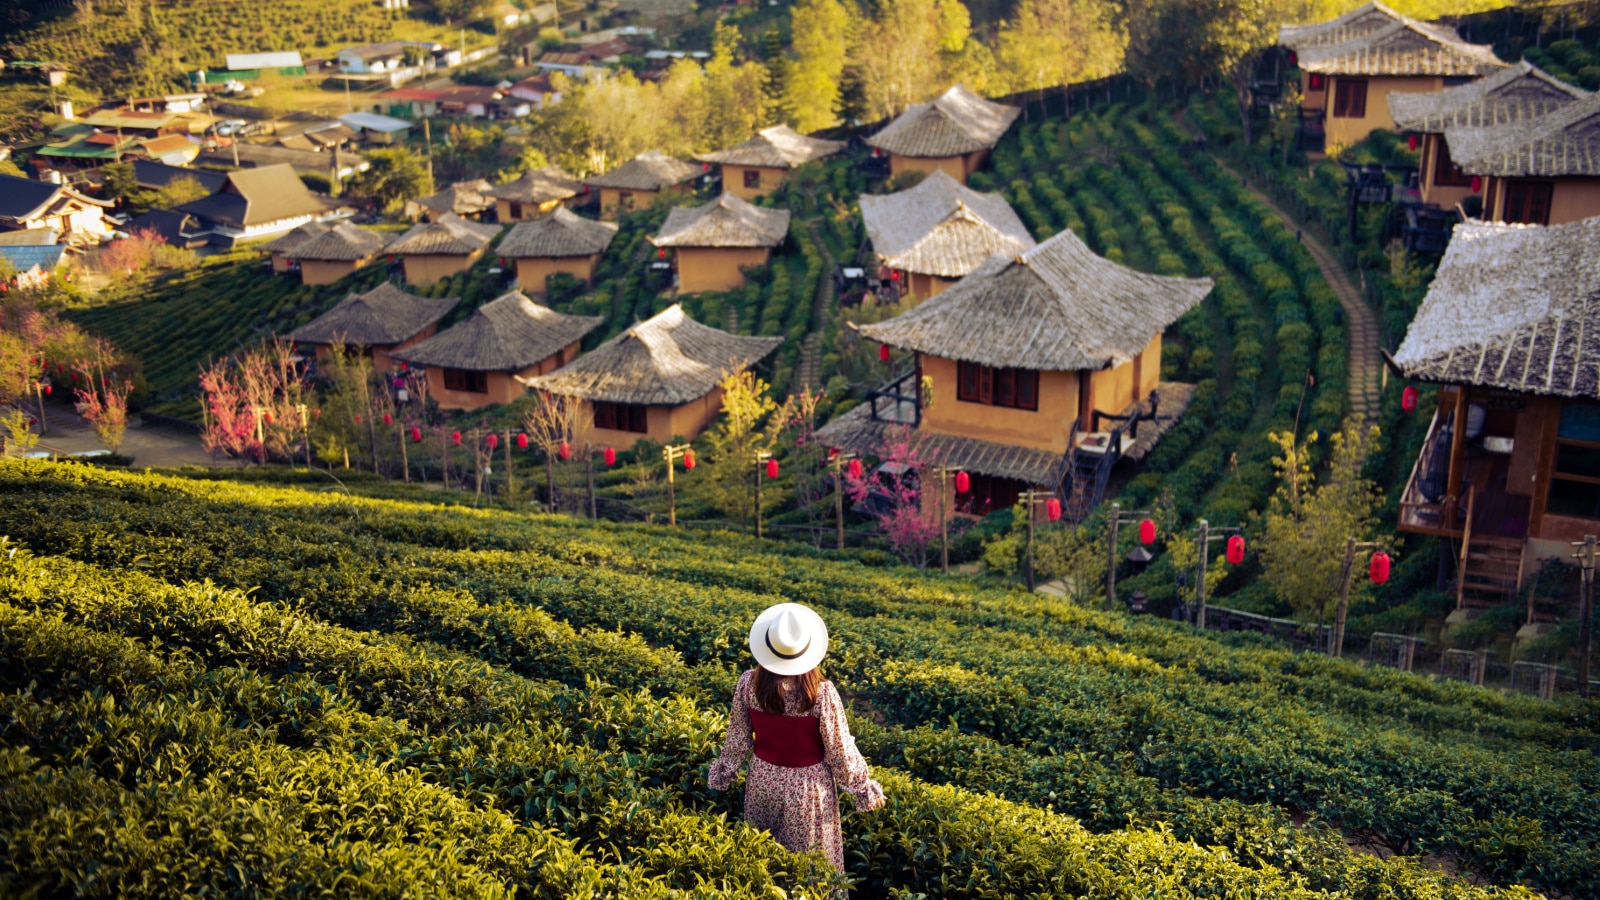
794	721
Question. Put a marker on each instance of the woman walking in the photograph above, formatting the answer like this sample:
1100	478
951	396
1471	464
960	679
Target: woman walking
794	720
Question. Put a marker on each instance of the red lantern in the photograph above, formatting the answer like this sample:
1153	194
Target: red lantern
855	468
416	435
455	438
883	352
317	412
1052	509
358	418
610	456
1412	142
502	262
1408	399
1236	549
833	453
492	439
772	468
661	253
266	417
48	390
387	419
963	483
1316	81
1294	58
1147	532
522	442
688	459
564	451
60	367
895	275
404	367
1378	567
1477	183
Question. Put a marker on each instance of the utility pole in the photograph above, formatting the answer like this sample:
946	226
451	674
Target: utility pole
1587	549
427	140
1115	521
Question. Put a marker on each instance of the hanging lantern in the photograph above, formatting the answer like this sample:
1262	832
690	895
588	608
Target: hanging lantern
688	459
317	412
387	419
963	482
1052	509
492	439
855	468
833	453
416	435
358	418
1378	567
1294	58
1147	532
1412	142
772	468
267	417
705	167
403	395
49	389
522	441
1477	183
661	253
1316	81
895	275
610	456
883	352
404	367
1236	549
564	451
455	438
1408	399
502	262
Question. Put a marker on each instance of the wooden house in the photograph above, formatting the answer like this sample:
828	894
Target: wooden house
28	204
657	380
379	323
430	251
758	166
1545	171
1513	96
1349	66
534	194
467	199
258	202
954	132
637	182
1509	472
934	234
712	244
1038	370
324	253
560	242
484	360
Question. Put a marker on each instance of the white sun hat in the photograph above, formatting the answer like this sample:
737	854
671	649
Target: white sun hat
789	639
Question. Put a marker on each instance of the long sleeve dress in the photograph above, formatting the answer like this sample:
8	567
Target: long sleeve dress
800	806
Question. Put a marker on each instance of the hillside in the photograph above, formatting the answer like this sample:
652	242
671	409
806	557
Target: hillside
514	688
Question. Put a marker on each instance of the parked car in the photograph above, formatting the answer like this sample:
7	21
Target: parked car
230	127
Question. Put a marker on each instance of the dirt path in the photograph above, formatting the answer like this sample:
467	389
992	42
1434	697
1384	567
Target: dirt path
149	445
808	371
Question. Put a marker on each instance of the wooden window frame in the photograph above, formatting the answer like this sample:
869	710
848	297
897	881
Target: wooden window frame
633	418
752	179
1005	388
514	210
1350	98
466	381
1445	172
1526	196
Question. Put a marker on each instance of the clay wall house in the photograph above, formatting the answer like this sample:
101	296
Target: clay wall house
758	166
711	245
934	234
377	323
954	132
638	182
535	193
467	199
324	253
431	251
562	242
1545	171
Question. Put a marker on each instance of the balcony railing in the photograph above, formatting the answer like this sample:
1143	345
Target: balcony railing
898	402
1424	507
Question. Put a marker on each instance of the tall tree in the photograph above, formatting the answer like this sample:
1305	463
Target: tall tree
734	101
1047	43
811	90
395	176
908	50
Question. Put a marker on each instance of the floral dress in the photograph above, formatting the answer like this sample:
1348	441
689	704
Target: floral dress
800	806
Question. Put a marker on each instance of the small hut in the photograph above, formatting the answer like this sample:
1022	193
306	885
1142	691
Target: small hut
1545	171
640	180
481	361
932	235
954	132
560	242
758	166
431	251
534	194
1350	65
378	323
658	379
711	244
467	199
324	253
1516	95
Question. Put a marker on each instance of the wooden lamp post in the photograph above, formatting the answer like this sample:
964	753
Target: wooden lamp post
1115	520
1235	555
838	462
765	465
1587	549
672	453
1378	571
1052	506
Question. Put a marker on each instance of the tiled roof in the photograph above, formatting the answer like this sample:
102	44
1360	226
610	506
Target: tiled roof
382	317
649	171
1564	143
506	334
775	148
1517	93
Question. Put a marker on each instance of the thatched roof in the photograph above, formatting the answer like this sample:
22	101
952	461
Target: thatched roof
504	335
464	198
1402	46
1517	93
956	122
1564	143
293	238
942	227
663	361
1355	23
1057	307
1514	307
382	317
342	242
539	186
562	233
650	171
775	148
449	235
724	222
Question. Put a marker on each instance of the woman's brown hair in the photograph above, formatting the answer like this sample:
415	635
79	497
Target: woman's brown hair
769	689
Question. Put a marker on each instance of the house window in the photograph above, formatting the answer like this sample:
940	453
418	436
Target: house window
514	210
985	494
1011	388
1575	480
752	179
1445	172
466	381
622	417
625	200
1350	98
1528	202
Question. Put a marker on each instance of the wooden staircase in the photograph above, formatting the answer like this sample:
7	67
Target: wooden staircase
1490	571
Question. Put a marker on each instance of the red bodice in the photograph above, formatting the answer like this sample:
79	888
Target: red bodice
790	741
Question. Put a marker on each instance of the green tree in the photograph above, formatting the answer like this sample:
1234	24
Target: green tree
733	97
909	50
1047	43
9	167
120	184
178	191
811	88
1302	544
751	423
396	175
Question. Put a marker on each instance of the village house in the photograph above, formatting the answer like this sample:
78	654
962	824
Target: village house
33	254
1350	65
1545	171
1515	95
1038	370
255	156
758	166
562	242
365	59
1509	472
379	323
376	128
171	149
417	103
168	103
639	181
467	199
932	235
259	202
325	253
484	360
127	123
475	101
26	204
535	193
431	251
178	229
657	380
712	244
537	90
954	132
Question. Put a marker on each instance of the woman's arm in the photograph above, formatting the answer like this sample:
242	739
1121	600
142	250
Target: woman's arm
736	746
840	754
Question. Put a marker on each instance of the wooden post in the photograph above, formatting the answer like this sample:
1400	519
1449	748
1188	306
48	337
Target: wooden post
1204	546
1346	575
372	439
477	467
672	491
1458	431
1111	556
511	480
38	390
588	456
444	459
1466	542
1027	510
1586	556
758	494
944	528
838	498
405	458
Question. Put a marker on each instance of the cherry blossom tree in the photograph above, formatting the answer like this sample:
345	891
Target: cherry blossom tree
895	489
